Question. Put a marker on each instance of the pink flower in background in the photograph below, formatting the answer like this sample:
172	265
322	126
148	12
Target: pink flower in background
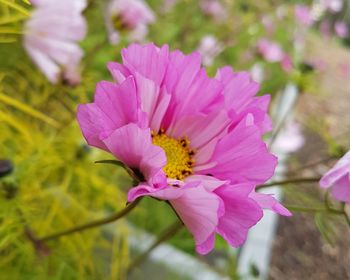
341	29
338	178
214	9
325	28
209	48
290	139
287	63
129	16
270	51
334	6
303	15
268	24
51	36
194	141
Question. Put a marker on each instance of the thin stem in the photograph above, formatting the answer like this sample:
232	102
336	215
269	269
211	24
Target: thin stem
93	224
311	210
290	181
164	236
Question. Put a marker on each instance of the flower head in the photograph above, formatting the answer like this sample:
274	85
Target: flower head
341	29
270	51
338	178
51	36
197	141
214	9
128	16
303	15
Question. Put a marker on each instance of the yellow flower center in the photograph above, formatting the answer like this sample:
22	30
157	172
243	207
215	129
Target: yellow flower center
179	155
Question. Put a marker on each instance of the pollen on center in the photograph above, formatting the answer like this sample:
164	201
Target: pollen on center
179	155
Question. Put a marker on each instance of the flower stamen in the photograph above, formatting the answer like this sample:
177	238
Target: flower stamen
179	155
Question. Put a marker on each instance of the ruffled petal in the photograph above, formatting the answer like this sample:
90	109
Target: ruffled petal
241	213
242	156
341	168
341	189
267	201
114	106
133	146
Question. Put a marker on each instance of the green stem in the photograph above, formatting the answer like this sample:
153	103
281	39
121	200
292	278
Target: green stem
164	236
313	210
346	216
93	224
290	181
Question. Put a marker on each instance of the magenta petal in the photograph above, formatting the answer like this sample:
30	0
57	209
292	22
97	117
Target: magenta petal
208	182
119	71
198	209
133	146
267	201
341	189
241	213
206	246
148	60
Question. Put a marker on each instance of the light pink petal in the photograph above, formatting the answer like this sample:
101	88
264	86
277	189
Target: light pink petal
164	193
341	168
241	213
206	246
119	71
208	182
200	129
242	156
133	146
267	201
198	209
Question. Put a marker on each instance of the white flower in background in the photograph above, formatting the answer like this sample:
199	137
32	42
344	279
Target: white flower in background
128	16
334	6
51	36
290	138
257	72
209	48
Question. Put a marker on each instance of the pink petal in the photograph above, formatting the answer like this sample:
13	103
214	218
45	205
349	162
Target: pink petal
241	213
341	189
133	146
115	106
269	202
242	156
341	168
198	209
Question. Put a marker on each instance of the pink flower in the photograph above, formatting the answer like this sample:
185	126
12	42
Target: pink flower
194	141
51	36
131	16
325	28
270	51
334	6
303	15
287	63
209	48
338	178
214	9
341	29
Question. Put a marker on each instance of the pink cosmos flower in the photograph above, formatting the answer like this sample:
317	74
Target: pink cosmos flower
270	51
51	36
338	178
209	48
303	15
287	63
341	29
214	9
195	141
129	16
